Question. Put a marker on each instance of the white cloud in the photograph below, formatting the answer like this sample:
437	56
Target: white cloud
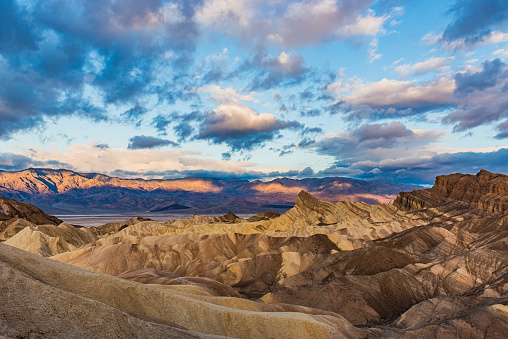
369	25
501	53
233	119
400	94
221	14
298	23
90	158
225	95
438	64
491	38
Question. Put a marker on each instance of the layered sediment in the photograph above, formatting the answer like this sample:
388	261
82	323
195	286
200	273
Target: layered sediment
433	263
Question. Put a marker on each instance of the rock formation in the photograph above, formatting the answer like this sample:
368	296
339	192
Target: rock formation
15	216
11	209
432	264
486	191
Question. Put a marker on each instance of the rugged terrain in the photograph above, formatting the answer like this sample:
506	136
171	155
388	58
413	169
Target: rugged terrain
67	192
432	264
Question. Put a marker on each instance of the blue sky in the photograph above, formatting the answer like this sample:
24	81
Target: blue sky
389	90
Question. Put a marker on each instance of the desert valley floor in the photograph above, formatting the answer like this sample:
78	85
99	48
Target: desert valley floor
432	264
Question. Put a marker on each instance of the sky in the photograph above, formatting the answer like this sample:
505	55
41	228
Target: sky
387	90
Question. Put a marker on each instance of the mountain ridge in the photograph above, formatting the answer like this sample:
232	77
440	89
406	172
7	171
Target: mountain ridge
64	191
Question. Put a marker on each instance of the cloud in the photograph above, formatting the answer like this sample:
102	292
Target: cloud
390	98
402	94
285	69
16	35
381	135
56	53
141	163
503	130
135	113
488	109
144	141
423	170
241	127
480	96
474	97
433	64
291	24
89	158
492	73
473	20
14	162
161	122
224	95
375	141
368	25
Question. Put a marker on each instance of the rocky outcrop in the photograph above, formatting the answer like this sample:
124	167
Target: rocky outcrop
111	228
196	219
267	215
11	209
486	191
15	216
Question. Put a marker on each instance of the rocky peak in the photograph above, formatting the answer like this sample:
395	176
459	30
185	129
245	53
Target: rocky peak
230	216
306	200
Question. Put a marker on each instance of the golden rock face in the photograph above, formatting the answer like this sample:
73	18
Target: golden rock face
433	264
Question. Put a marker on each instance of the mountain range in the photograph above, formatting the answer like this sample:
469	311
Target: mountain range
68	192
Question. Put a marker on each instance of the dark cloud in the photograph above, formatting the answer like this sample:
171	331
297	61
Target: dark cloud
472	90
365	137
53	50
16	33
479	113
373	144
161	122
424	170
202	173
144	141
18	162
102	146
310	113
493	72
503	130
306	95
381	135
184	128
310	130
474	19
283	70
135	113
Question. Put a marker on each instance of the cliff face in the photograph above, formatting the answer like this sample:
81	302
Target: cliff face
485	190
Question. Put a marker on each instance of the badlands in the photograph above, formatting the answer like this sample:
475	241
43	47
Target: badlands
432	264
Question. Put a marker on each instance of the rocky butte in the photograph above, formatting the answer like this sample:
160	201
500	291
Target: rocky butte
432	264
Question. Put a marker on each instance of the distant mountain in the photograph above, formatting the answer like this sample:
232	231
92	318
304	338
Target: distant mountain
64	191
